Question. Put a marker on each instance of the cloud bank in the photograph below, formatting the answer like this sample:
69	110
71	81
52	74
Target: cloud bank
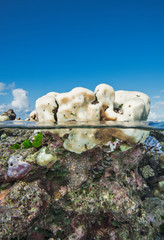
157	111
20	100
2	88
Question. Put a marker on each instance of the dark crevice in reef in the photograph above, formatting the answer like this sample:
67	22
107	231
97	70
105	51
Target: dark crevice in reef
55	110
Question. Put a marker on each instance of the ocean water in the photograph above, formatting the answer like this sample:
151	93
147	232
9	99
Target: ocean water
143	125
73	187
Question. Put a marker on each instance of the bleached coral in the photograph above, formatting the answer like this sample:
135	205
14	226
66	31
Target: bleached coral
132	101
44	158
46	107
83	105
77	105
105	95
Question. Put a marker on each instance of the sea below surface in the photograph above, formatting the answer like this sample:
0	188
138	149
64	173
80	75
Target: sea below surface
145	125
82	180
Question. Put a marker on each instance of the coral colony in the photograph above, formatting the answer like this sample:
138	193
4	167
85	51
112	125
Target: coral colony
83	184
81	104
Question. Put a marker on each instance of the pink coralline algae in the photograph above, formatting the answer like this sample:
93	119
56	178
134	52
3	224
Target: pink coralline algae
17	169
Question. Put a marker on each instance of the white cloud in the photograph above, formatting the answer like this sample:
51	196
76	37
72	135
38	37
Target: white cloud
3	107
11	86
157	112
3	93
153	116
2	86
157	105
20	101
156	97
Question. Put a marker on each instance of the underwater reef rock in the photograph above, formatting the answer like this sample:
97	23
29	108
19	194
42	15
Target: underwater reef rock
19	207
113	191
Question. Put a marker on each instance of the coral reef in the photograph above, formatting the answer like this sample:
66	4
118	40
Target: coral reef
115	190
83	105
21	204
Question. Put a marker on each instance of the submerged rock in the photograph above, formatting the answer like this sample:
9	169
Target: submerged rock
17	169
21	205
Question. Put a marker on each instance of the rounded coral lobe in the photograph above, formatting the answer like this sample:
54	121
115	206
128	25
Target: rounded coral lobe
83	105
17	169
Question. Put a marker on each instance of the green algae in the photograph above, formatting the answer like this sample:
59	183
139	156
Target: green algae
37	142
27	143
16	146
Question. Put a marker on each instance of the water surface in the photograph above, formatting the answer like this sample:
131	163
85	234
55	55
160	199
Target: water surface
144	125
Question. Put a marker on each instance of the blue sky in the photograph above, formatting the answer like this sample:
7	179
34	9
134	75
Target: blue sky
58	45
